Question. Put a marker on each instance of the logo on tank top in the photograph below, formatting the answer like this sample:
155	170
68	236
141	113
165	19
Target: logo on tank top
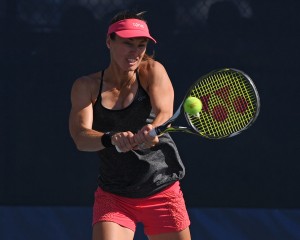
141	98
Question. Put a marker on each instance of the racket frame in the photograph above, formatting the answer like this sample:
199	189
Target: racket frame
165	127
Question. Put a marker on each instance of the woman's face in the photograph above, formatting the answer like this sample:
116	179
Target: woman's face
127	53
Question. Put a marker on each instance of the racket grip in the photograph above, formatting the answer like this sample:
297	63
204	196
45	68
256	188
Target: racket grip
118	149
153	133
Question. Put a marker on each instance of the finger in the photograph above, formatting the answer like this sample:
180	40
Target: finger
139	138
133	142
121	142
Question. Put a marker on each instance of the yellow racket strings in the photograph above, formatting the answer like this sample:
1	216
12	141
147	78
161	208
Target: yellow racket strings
229	104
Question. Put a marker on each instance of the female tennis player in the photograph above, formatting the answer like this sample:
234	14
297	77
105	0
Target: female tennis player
115	109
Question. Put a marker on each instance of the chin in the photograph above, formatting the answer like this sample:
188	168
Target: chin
132	68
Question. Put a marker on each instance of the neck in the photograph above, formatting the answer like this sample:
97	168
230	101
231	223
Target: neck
120	80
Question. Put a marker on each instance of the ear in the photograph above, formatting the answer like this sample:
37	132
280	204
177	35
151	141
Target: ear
108	41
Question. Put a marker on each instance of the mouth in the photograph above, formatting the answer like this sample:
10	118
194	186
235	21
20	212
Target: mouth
132	61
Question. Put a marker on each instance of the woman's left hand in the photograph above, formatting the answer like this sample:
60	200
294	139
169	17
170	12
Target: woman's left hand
143	139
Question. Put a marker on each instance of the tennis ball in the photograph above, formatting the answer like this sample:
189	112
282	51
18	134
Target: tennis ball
192	105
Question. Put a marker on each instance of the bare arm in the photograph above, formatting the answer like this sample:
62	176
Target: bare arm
81	117
81	120
161	93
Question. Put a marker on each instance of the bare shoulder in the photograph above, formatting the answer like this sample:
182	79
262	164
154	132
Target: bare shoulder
88	81
152	72
87	85
151	66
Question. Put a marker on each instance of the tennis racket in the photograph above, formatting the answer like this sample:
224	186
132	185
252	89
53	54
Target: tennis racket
230	105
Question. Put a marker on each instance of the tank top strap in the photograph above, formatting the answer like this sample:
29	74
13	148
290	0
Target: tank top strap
101	84
137	77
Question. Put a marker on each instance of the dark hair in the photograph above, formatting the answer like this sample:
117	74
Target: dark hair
129	15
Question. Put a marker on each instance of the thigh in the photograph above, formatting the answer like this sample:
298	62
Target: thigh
111	231
182	235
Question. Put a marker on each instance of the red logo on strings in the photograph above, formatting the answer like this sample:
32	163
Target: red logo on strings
221	112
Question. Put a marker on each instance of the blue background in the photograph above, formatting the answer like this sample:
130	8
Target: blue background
252	179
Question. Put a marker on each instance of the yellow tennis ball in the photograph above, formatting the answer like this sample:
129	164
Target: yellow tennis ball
192	105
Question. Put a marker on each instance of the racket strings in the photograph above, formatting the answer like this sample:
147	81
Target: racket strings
229	104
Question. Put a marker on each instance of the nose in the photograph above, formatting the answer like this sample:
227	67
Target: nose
134	49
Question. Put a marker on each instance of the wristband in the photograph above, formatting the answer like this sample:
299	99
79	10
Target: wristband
106	139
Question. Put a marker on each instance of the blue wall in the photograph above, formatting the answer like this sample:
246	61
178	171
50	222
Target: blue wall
74	223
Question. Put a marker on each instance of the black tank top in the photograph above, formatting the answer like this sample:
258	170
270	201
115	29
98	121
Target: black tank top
137	173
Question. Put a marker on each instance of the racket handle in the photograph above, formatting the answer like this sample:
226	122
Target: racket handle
118	149
153	133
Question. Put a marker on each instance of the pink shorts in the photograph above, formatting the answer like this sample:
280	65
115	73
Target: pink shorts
160	213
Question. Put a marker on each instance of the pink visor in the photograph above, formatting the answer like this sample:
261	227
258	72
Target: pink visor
130	28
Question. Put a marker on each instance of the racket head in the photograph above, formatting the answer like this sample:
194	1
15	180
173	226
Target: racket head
230	103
